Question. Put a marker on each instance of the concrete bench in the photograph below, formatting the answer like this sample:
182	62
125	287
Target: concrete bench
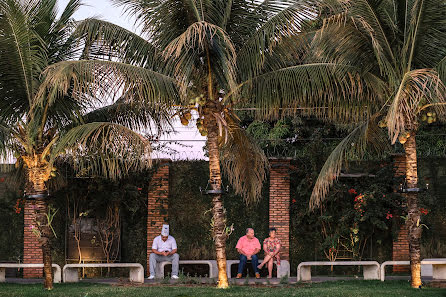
213	269
371	268
70	273
56	270
282	270
438	266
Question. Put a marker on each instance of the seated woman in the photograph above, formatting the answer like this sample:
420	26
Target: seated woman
271	246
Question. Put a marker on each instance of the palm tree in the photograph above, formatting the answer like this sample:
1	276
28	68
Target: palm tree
400	44
41	127
210	56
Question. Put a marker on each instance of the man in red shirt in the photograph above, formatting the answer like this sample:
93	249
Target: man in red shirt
248	246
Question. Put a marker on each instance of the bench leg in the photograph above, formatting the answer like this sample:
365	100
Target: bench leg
136	275
159	270
305	273
371	272
439	271
2	275
57	275
283	269
70	276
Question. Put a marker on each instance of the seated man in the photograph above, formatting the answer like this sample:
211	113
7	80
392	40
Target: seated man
164	248
248	246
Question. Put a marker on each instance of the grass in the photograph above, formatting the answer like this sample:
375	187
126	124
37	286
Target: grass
340	289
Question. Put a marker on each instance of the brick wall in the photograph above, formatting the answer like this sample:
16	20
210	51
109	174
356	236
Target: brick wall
157	204
32	253
400	250
279	202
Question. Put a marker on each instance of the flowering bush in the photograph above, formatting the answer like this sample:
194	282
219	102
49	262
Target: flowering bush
355	212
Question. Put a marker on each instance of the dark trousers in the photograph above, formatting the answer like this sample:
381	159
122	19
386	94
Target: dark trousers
244	259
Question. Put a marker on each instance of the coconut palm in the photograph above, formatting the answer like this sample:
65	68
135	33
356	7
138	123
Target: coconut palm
208	57
41	128
400	44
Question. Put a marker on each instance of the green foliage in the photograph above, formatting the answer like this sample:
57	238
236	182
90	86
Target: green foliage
11	228
190	217
94	195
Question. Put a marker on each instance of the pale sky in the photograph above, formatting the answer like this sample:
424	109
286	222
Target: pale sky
191	141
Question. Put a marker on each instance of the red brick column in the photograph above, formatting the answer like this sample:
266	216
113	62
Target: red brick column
32	252
401	244
157	204
279	202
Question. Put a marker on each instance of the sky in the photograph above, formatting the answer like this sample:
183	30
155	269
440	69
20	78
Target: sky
187	140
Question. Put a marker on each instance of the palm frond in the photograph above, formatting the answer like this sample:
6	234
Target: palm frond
243	162
131	115
286	22
353	145
106	40
103	149
21	56
426	33
329	90
197	44
161	20
367	15
107	80
418	87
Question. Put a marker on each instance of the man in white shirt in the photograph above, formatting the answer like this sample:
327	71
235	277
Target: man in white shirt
164	248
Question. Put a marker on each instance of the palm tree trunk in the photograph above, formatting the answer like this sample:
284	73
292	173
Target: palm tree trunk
413	211
218	212
36	189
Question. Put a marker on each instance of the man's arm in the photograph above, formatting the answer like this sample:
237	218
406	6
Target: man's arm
158	253
241	252
172	252
256	251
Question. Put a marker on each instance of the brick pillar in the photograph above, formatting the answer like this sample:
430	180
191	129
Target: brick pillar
279	202
32	252
400	250
157	204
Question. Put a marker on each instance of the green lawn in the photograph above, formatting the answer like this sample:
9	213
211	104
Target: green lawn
341	289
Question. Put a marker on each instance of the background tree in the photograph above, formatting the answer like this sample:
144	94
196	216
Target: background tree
401	45
40	126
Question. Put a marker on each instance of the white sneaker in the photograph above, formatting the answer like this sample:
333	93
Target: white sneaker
174	277
151	277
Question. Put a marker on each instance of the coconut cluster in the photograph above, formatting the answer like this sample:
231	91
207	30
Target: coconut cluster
429	117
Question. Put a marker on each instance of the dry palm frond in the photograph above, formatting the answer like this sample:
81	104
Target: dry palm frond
244	163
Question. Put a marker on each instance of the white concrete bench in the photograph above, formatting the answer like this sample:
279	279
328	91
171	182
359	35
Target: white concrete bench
370	268
282	270
70	273
213	269
438	268
56	270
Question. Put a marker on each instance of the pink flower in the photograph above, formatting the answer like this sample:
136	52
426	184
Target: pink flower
31	227
388	215
139	189
293	201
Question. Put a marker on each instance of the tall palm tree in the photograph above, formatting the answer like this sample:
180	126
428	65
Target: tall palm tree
210	56
40	127
402	45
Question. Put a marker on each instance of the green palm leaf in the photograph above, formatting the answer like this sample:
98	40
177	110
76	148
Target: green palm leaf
103	149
